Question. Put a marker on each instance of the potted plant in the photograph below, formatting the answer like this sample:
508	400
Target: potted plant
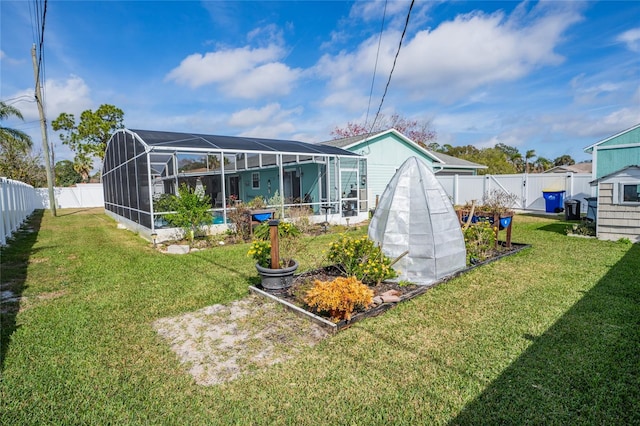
272	239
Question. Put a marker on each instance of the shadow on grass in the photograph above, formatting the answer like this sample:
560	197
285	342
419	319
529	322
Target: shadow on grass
584	369
557	227
13	274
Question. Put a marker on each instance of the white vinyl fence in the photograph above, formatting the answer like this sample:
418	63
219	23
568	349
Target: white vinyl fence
462	189
17	201
527	188
81	196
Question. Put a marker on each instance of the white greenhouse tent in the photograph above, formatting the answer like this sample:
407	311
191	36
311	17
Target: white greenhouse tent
415	215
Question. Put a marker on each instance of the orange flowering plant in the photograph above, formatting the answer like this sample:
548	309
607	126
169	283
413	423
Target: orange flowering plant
339	297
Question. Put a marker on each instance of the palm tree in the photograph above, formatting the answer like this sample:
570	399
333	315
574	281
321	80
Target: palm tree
564	160
14	137
528	156
541	164
82	164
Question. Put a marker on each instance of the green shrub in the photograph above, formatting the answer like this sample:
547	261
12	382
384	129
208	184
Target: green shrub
164	203
285	230
480	241
361	258
260	251
192	210
288	239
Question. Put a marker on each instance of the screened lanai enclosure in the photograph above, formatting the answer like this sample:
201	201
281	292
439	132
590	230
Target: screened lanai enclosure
141	165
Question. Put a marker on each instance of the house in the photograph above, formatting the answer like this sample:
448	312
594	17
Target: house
583	167
618	212
616	178
386	151
615	152
142	165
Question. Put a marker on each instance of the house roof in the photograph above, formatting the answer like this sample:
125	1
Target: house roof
199	142
438	157
594	182
584	167
455	162
590	147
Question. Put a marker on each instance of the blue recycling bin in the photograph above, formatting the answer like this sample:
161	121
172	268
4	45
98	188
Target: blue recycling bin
553	201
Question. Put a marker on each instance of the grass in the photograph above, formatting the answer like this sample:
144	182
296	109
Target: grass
547	336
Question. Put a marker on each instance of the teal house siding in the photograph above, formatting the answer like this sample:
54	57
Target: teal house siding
615	152
612	160
308	175
385	155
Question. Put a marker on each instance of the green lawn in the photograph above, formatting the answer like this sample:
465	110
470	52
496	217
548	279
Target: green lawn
548	336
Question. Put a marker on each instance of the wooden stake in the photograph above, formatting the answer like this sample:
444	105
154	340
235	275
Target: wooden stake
275	244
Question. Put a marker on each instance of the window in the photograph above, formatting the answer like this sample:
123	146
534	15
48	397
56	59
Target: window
630	192
255	180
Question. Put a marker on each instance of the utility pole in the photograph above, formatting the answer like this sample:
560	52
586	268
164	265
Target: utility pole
43	128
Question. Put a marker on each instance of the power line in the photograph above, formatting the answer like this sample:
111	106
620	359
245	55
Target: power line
406	24
21	98
375	67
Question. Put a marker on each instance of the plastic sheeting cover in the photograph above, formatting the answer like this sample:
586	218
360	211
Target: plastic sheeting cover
414	213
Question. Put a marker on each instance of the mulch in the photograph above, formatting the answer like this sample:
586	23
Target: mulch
303	282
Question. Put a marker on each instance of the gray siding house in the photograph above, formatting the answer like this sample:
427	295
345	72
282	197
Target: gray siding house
616	174
619	205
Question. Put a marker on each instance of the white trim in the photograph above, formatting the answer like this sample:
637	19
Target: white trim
401	136
594	163
253	174
626	145
611	137
618	193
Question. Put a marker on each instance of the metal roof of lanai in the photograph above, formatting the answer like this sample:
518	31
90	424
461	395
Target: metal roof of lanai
193	141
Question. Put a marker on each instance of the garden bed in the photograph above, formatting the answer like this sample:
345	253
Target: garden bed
292	298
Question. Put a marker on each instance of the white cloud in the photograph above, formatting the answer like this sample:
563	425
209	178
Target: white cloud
258	116
458	56
588	92
271	34
597	127
374	10
6	59
274	130
245	72
269	79
631	38
70	95
351	100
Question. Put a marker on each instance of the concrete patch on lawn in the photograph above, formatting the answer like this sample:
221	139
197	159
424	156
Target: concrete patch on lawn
178	249
220	343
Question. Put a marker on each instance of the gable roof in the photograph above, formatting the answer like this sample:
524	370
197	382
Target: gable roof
352	141
594	182
455	162
437	157
589	149
583	167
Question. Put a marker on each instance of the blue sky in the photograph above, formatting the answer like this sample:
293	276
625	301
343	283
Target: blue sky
550	76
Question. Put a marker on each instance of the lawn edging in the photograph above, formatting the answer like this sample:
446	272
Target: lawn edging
333	328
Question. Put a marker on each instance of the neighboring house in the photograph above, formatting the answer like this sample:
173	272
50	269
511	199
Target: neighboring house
616	174
387	151
615	152
618	213
584	167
